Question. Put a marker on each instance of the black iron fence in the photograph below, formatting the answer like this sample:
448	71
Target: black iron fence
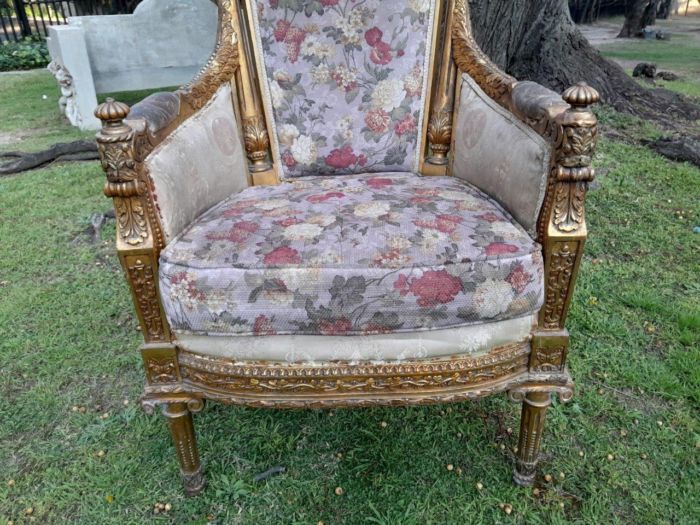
24	18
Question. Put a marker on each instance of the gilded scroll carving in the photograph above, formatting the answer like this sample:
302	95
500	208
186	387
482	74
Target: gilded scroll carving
560	270
472	60
547	359
221	65
144	283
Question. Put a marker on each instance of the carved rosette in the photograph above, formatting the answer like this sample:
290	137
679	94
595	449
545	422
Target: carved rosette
257	142
161	370
440	136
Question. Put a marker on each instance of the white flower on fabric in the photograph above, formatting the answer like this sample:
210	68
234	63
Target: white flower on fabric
287	134
413	83
280	75
325	51
277	94
344	77
321	220
493	297
217	303
431	239
505	230
304	150
272	204
320	74
343	126
399	243
473	339
388	94
309	46
419	6
181	291
372	210
302	232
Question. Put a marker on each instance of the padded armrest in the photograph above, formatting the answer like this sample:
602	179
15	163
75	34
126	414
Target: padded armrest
158	110
499	154
198	164
536	105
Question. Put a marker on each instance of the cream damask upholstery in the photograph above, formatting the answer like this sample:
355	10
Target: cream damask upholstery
515	173
472	340
205	155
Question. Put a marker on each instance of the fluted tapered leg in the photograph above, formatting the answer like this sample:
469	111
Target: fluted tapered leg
182	431
534	412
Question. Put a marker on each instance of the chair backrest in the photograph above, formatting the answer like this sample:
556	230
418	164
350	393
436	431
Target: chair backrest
344	83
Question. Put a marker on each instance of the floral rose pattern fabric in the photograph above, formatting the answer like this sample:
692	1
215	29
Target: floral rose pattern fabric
345	81
365	254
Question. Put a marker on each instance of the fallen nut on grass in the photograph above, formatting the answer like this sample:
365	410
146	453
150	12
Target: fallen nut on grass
479	486
450	467
339	491
610	457
548	478
508	508
10	482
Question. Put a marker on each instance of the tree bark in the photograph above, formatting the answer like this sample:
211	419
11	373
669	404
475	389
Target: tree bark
638	15
78	150
539	41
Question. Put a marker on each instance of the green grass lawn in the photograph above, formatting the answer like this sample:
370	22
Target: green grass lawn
70	379
680	55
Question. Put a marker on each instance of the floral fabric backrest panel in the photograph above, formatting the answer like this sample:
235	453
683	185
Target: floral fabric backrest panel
344	83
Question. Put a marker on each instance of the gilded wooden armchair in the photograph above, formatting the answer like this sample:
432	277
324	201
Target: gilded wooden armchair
350	206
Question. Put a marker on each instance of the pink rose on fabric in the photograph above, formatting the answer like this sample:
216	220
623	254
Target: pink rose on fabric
282	255
336	327
518	278
448	223
400	53
373	36
402	285
326	196
340	158
434	288
490	217
239	232
289	221
263	326
281	30
379	182
381	54
274	3
329	3
293	38
405	125
362	160
288	159
377	120
500	248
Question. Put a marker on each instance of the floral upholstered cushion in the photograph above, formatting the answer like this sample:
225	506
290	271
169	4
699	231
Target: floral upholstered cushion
345	82
350	255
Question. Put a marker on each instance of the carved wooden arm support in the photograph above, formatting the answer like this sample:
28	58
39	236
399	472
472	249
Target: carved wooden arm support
139	233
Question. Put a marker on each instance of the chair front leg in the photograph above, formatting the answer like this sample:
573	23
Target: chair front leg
534	411
181	426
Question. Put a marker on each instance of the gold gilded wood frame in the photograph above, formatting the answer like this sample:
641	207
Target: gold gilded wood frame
179	381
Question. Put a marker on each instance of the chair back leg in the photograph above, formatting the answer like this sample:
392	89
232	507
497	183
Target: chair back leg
535	406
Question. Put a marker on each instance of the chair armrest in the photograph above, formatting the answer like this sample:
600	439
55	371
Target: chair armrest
536	105
158	111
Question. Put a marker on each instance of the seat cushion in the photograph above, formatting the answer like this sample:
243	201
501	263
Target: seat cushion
350	255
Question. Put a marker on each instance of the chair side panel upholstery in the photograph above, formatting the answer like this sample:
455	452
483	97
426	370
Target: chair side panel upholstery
499	154
344	84
198	165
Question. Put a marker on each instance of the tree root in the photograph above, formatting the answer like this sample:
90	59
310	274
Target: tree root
78	150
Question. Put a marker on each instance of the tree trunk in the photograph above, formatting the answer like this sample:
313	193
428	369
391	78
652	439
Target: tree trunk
539	41
588	11
664	9
638	15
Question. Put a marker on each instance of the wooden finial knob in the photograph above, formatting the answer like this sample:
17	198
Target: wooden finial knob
581	95
112	111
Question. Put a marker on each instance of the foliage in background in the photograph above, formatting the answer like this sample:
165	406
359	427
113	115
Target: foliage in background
28	53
